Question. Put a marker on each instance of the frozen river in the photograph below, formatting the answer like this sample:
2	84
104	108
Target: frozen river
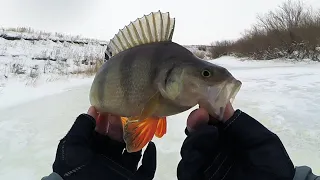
285	98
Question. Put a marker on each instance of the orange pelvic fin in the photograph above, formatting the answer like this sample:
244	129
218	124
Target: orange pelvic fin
138	133
161	127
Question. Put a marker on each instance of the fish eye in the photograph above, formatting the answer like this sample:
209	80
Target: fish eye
206	73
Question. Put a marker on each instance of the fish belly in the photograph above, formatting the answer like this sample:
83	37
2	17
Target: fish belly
168	108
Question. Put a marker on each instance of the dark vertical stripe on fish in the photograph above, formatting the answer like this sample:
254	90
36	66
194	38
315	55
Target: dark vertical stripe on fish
157	55
101	87
126	79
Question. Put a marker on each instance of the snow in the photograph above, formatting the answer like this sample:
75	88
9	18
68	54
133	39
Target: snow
284	96
29	33
16	92
45	66
45	57
48	48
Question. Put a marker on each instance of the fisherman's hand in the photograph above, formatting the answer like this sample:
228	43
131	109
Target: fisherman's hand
198	148
238	147
203	154
86	154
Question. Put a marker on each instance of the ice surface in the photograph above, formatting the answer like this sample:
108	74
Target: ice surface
16	92
284	97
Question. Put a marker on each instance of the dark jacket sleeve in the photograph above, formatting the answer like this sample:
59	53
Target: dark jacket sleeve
260	153
52	176
305	173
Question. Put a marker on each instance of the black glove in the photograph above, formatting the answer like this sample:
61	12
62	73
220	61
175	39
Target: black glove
240	148
84	154
199	150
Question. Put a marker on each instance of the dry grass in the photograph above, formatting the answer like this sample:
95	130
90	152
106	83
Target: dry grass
291	31
46	34
91	69
49	71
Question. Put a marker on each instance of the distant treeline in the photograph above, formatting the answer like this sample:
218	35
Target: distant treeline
291	31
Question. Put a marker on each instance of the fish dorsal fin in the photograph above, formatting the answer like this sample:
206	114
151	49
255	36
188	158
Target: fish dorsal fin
155	27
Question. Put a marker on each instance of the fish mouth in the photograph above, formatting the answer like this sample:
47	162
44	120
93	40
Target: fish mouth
235	89
217	97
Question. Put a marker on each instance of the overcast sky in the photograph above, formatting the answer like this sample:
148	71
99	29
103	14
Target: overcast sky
197	21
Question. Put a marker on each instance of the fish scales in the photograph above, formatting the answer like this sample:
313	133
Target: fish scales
130	81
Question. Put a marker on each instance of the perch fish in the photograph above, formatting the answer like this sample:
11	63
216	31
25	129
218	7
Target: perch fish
149	77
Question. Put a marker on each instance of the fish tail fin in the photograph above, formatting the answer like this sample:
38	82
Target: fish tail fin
138	133
161	127
154	27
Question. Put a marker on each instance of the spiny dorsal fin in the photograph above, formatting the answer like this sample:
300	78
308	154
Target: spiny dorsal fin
155	27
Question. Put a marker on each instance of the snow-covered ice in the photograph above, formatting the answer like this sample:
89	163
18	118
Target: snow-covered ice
285	97
16	92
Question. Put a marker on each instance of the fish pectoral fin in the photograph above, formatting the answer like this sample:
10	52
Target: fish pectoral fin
138	134
150	107
161	127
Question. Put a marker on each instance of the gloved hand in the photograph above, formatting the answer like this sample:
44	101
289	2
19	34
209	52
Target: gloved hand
199	148
238	147
85	154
